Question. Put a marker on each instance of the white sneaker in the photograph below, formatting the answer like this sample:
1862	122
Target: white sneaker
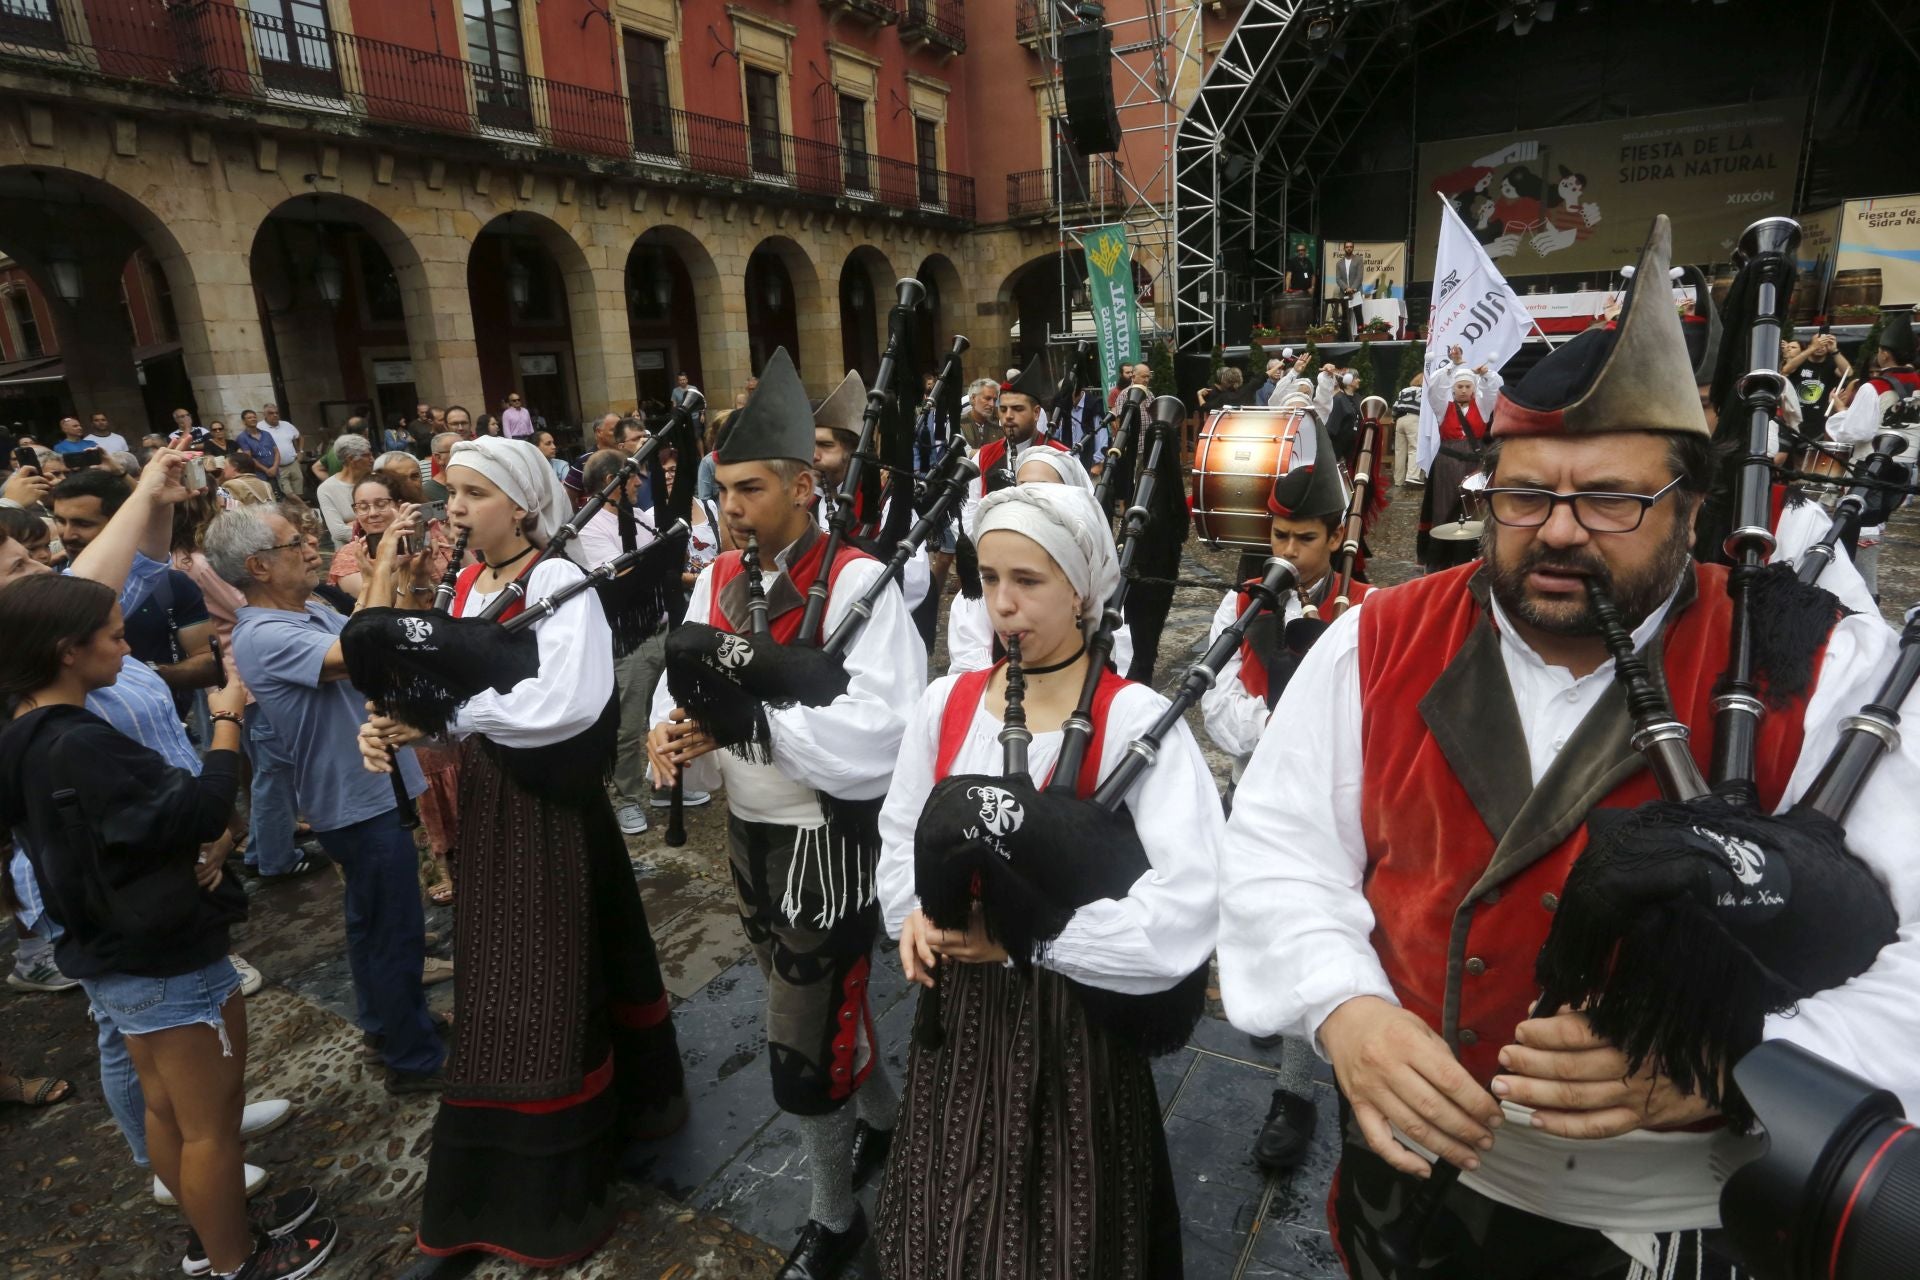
44	976
256	1179
250	978
264	1117
632	819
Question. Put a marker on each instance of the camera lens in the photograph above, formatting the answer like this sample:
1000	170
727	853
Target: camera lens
1837	1194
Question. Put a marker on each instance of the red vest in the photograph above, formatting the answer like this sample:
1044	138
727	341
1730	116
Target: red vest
1450	428
463	587
786	625
1253	672
994	452
964	699
1456	935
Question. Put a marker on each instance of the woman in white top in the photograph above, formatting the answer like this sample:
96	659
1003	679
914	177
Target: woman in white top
566	1047
1030	1140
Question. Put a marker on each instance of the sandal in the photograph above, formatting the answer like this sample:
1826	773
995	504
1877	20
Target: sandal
51	1090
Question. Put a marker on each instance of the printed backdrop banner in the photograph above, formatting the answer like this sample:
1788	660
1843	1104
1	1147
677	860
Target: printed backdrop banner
1580	197
1385	266
1884	233
1110	286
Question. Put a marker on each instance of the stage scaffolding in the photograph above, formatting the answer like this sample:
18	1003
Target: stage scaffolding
1159	57
1279	104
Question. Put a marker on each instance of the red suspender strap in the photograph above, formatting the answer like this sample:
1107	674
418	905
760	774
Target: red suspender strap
1089	779
962	700
463	587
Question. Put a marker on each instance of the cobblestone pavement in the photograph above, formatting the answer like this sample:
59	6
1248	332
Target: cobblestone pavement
723	1198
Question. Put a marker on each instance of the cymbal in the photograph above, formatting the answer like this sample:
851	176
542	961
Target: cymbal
1458	531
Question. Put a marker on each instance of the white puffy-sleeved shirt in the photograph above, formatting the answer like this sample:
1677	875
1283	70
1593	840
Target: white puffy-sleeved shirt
1295	929
576	669
1232	717
845	748
1862	422
970	638
916	576
1145	942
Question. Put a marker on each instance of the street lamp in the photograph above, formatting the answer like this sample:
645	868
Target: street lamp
64	267
328	279
519	280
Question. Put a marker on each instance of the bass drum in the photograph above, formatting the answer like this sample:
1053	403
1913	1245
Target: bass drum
1235	462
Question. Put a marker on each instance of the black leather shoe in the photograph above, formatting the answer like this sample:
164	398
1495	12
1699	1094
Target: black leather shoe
823	1254
1288	1134
870	1148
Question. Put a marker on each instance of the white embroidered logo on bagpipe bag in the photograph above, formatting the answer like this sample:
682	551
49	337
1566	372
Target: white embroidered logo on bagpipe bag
1743	857
733	652
1000	813
418	630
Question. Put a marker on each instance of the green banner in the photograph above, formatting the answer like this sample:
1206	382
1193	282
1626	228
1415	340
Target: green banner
1110	286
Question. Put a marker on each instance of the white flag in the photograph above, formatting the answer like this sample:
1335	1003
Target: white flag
1474	309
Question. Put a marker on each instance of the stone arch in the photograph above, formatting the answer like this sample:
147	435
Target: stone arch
865	297
50	212
705	355
946	304
815	315
561	318
375	342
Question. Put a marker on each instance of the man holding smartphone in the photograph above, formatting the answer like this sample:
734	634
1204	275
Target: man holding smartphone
73	442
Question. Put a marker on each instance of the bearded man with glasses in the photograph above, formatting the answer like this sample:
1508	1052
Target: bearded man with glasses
1403	832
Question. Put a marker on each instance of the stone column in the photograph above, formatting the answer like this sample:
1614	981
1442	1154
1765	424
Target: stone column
597	305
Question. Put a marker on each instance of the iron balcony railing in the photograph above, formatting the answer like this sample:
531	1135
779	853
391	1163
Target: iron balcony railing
1040	192
936	22
212	46
880	13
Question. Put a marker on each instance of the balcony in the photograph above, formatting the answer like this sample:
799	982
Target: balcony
1037	194
1031	22
874	13
940	25
213	48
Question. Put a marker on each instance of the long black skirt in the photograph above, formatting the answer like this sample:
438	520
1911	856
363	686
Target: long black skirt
1442	503
1029	1145
564	1044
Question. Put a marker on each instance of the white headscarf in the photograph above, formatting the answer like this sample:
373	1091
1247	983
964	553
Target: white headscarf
1068	526
522	472
1463	374
1064	464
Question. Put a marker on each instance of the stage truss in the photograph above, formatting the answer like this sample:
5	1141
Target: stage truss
1276	108
1160	56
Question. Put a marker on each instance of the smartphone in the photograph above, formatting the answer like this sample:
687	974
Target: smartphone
93	457
194	476
26	456
405	547
373	545
219	663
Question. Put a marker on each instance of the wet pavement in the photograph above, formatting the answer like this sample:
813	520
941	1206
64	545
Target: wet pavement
723	1198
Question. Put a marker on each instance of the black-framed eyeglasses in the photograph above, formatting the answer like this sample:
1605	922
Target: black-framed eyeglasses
1596	512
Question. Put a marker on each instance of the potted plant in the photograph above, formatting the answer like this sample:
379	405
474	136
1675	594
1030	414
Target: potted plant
1376	329
1321	330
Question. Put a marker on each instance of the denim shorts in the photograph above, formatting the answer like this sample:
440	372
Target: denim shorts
950	538
140	1006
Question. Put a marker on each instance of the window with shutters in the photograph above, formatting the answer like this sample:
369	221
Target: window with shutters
499	60
926	158
647	95
30	344
854	166
763	122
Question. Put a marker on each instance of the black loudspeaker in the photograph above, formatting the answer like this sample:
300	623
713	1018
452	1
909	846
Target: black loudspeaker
1190	370
1086	72
1237	326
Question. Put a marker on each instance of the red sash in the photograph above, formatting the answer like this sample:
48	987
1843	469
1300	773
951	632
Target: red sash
964	699
463	587
1897	382
728	566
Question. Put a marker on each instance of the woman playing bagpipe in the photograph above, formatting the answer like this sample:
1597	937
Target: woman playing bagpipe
1031	1141
971	643
803	771
565	1049
1406	839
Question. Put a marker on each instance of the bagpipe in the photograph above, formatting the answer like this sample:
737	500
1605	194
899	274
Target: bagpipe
418	667
726	682
1031	855
1687	921
1865	502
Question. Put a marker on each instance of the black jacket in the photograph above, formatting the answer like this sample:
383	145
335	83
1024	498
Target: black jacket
113	832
